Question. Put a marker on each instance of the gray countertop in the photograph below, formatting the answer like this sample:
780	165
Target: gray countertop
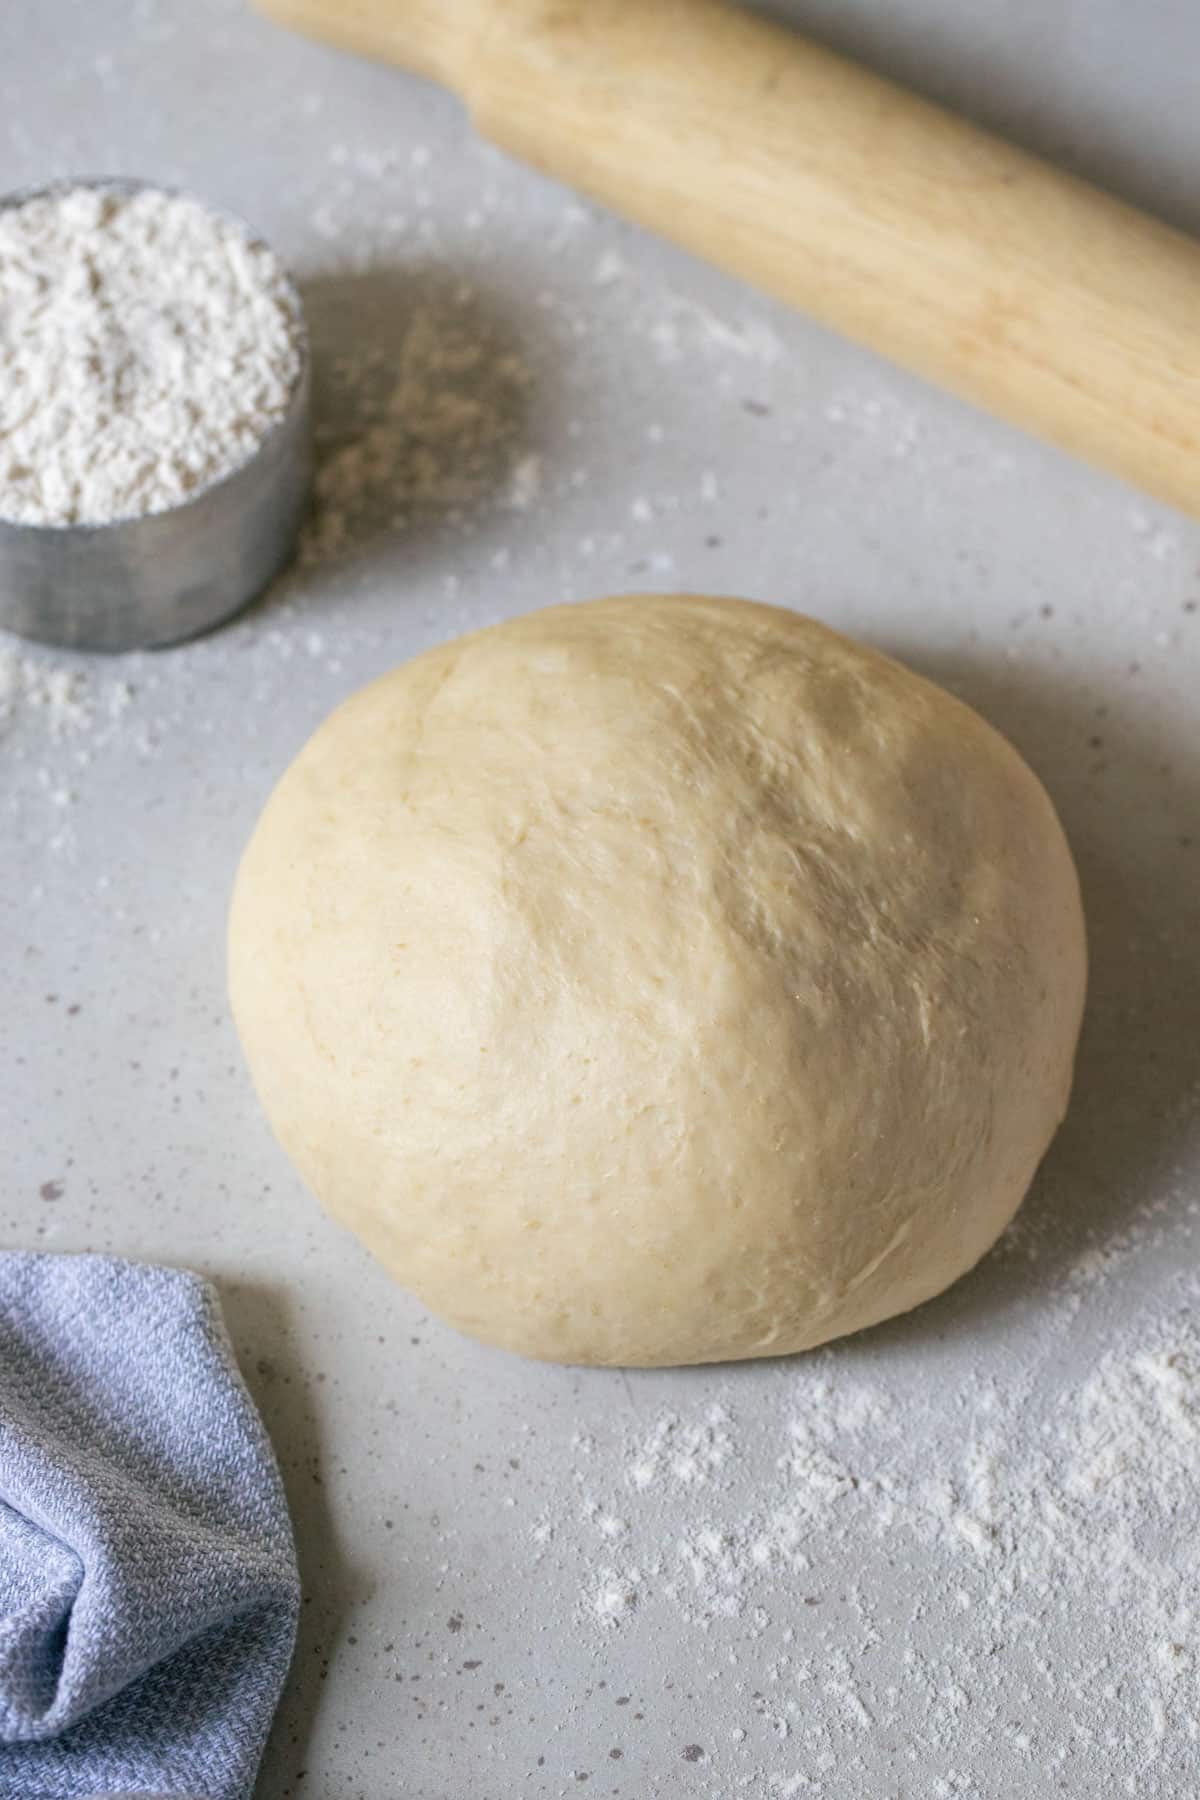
954	1557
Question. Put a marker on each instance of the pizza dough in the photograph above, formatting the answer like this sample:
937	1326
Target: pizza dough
661	980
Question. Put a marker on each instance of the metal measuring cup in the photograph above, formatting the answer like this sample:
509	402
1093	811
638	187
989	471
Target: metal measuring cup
155	578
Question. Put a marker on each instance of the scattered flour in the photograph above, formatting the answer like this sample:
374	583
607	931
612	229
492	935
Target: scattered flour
1159	541
682	325
60	693
425	430
67	698
684	1455
965	1545
147	346
881	419
525	483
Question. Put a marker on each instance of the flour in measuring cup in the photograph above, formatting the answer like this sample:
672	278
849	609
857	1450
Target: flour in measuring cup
147	347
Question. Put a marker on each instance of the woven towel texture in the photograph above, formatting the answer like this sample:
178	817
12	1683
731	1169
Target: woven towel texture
148	1585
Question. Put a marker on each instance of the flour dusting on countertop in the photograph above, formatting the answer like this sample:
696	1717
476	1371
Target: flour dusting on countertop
426	428
60	693
1061	1505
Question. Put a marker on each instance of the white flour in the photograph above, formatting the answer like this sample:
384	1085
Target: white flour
1056	1507
58	692
147	346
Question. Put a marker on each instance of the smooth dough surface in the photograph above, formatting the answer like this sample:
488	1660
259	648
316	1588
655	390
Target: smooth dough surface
661	980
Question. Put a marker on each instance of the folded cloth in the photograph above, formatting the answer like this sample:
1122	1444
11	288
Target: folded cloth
148	1585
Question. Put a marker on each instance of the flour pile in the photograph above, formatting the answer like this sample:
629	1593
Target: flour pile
147	347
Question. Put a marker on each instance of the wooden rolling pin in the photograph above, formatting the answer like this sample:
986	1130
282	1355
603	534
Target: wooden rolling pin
1007	281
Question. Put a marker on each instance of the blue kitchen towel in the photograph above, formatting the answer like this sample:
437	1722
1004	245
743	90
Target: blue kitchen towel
148	1585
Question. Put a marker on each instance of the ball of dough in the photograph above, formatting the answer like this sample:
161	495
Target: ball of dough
661	980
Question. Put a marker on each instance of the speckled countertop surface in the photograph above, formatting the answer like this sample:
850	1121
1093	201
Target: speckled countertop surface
953	1557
